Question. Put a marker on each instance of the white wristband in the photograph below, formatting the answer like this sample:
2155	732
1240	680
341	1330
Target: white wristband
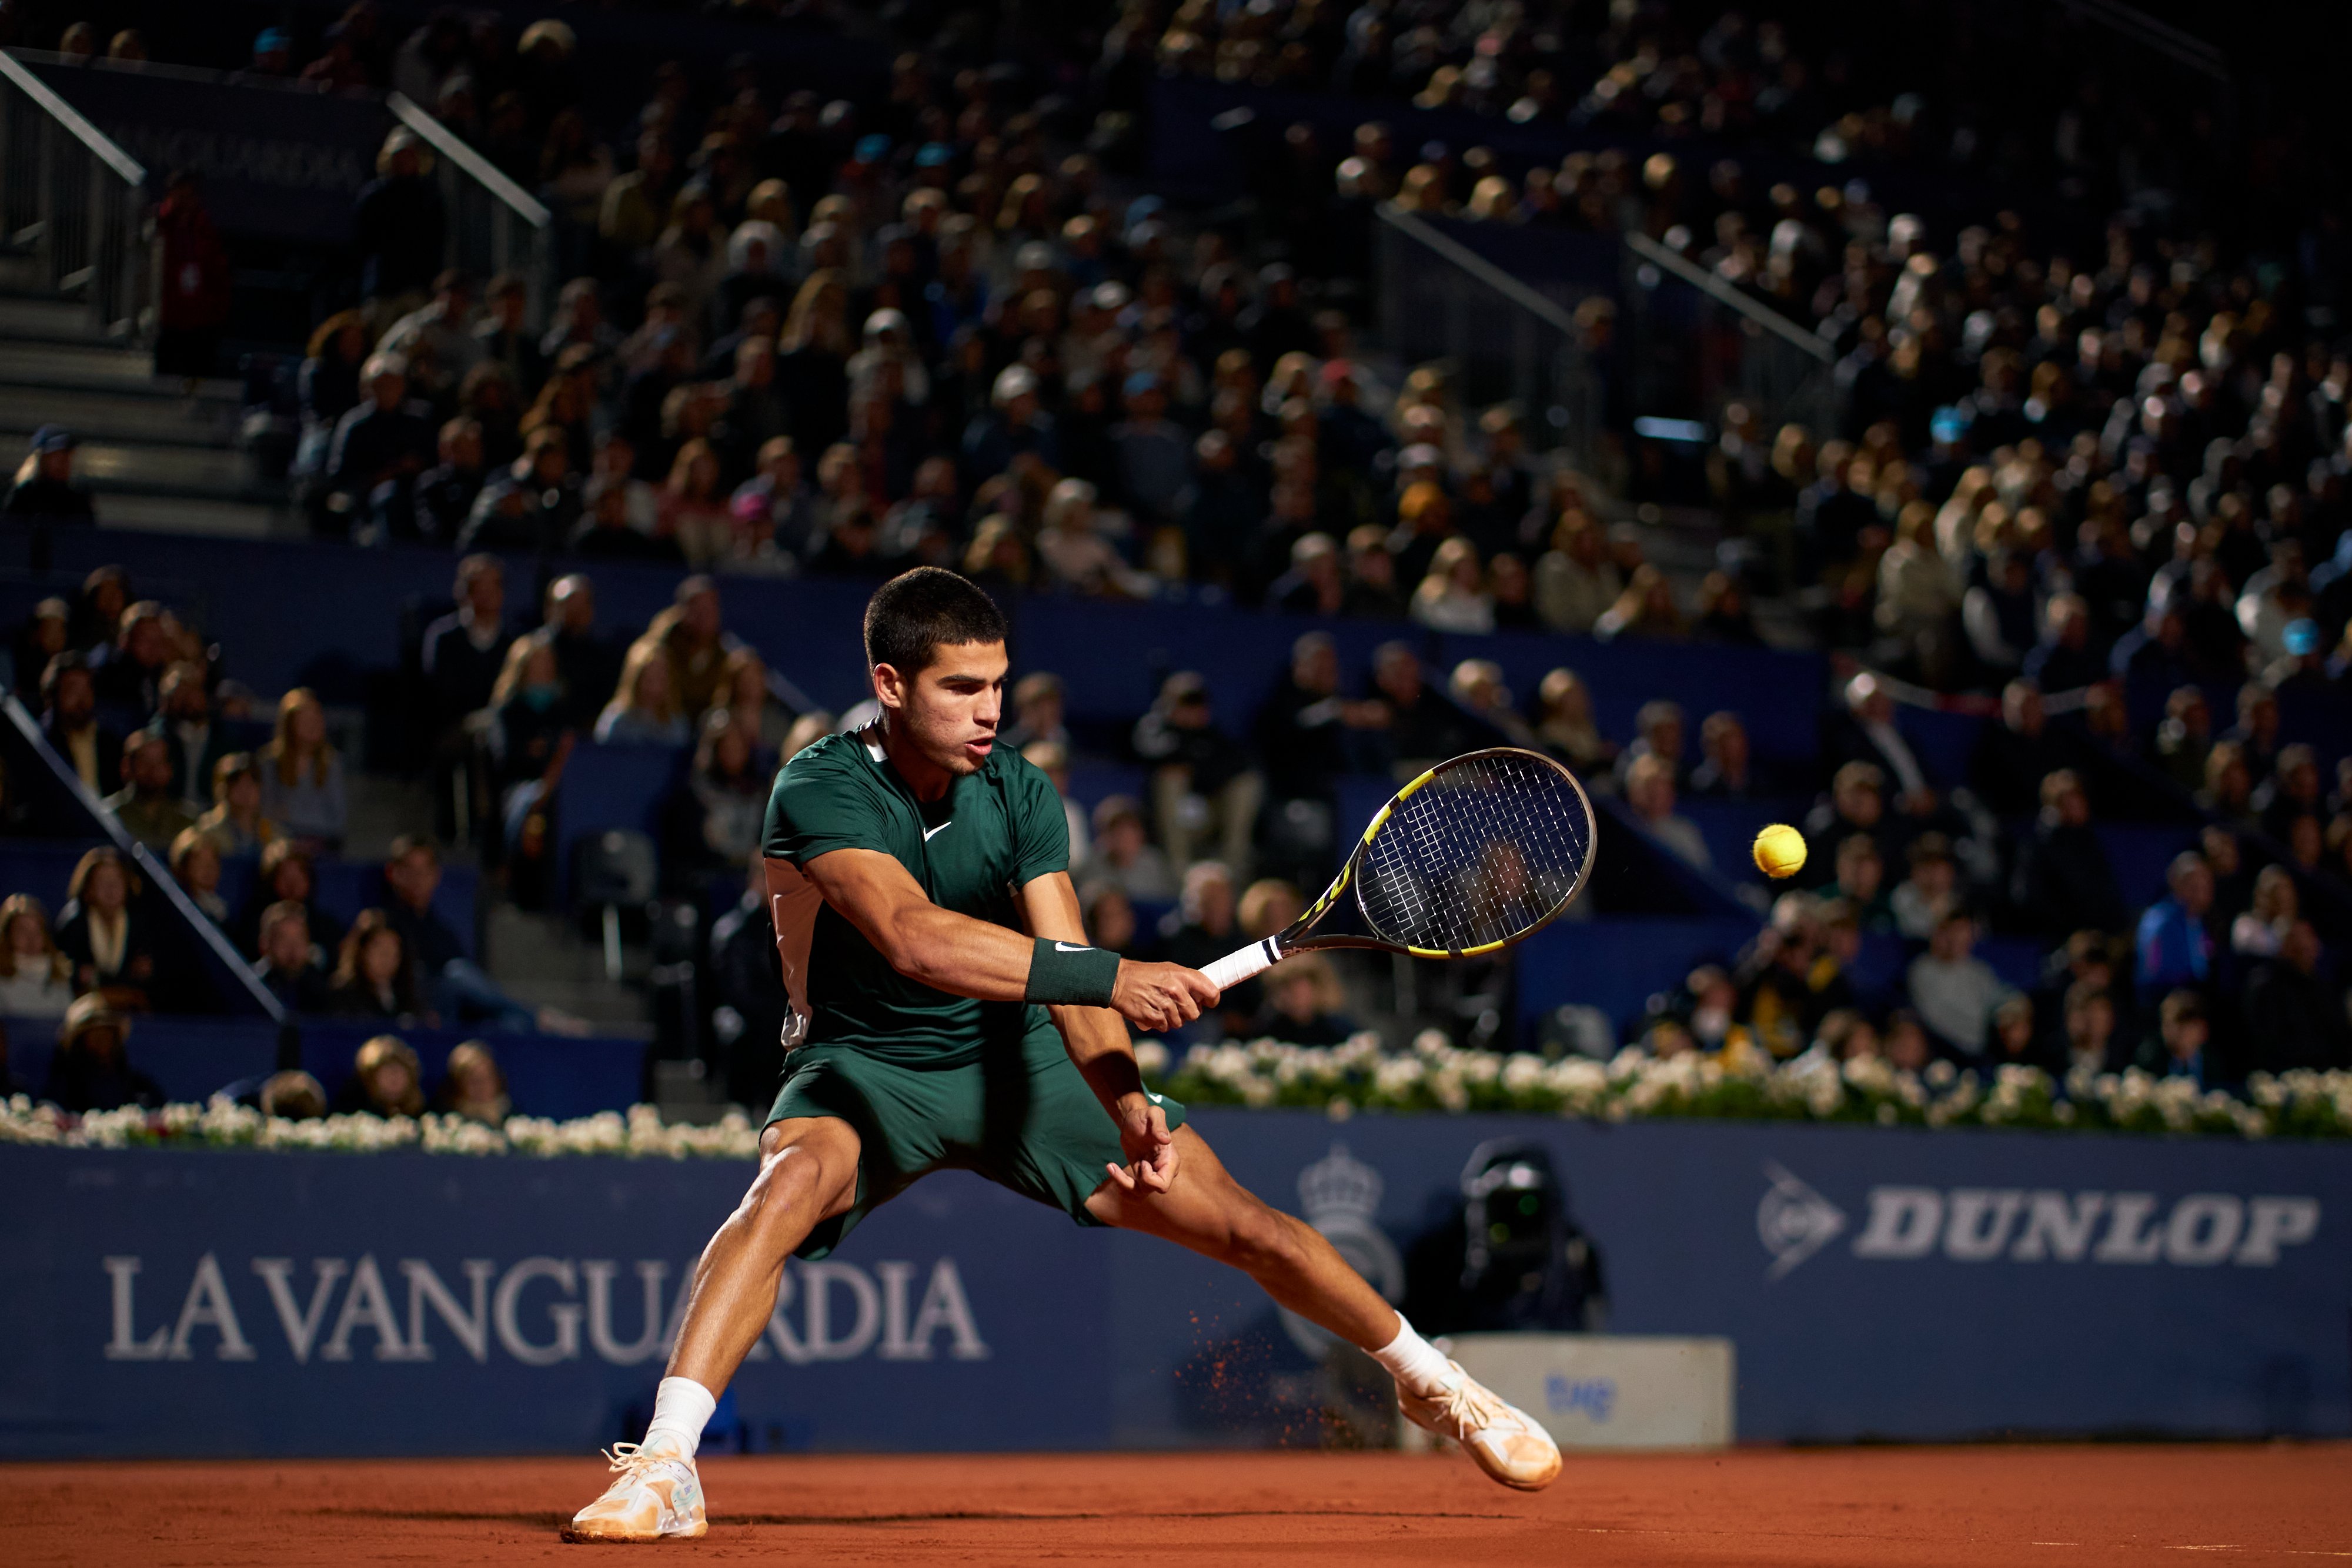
1234	967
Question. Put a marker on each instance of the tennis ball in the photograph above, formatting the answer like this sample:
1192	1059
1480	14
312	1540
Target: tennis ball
1780	850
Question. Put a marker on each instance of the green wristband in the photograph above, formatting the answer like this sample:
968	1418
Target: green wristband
1062	974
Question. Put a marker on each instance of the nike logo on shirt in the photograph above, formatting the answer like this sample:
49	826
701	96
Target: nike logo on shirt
928	833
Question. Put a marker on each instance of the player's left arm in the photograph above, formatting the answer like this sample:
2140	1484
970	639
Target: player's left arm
1097	1040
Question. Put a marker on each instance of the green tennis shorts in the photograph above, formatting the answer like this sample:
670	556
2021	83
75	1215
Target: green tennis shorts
1027	1122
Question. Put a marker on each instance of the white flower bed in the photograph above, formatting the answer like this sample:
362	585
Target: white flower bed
1434	1076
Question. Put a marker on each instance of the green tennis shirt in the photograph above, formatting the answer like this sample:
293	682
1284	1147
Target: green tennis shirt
992	832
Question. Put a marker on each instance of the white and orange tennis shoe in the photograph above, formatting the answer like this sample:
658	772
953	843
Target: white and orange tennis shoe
655	1496
1502	1439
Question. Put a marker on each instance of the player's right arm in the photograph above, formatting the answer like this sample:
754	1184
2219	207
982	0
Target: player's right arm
967	957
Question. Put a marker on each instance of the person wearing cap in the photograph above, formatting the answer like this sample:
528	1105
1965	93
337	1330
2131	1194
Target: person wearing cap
45	493
398	229
1154	457
273	55
90	1071
1016	428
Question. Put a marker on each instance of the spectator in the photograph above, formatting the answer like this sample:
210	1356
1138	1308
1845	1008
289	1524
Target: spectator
1110	921
1476	688
196	743
1422	729
1658	732
473	1089
292	1096
374	978
644	710
289	966
1576	582
1931	891
69	723
1202	786
236	822
1953	992
386	1081
694	632
397	228
446	978
1124	855
91	1069
1859	883
2012	1041
2181	1047
1565	726
2063	881
2260	931
2091	1048
532	739
1646	609
1313	585
588	667
1203	927
1304	1003
145	805
196	867
2184	737
380	447
1724	774
36	978
442	329
724	807
2172	948
1649	791
1052	759
1038	712
1371	591
302	775
1868	733
44	494
1919	597
286	875
2295	1015
109	942
131	670
1076	555
326	389
1452	596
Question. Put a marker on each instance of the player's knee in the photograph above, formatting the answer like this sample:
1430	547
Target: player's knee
792	1184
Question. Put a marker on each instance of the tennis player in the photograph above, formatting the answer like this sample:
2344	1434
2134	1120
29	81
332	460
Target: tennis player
948	1013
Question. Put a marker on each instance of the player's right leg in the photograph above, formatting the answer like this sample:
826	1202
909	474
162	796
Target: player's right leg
808	1173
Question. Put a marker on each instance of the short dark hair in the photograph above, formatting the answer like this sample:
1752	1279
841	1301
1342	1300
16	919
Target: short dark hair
913	613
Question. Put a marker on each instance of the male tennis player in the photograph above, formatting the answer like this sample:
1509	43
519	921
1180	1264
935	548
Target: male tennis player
948	1012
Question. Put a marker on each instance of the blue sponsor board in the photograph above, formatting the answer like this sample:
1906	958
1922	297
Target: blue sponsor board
1876	1283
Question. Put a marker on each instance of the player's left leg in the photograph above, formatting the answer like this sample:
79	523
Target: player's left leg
1207	1211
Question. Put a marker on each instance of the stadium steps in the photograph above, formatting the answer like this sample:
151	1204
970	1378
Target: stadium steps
542	961
155	454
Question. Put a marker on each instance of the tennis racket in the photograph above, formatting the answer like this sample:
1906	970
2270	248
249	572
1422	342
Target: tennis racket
1474	856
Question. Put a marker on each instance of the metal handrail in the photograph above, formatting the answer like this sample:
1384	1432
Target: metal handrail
100	144
1722	293
1478	267
153	870
2183	47
476	167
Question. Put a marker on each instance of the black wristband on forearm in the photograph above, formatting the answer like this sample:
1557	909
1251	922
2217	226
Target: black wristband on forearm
1062	975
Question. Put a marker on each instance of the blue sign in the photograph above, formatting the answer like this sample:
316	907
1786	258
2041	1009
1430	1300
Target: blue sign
1902	1284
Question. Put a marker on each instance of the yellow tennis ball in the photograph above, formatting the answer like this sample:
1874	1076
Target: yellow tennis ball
1780	850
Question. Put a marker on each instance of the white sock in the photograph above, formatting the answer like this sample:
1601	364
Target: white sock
1412	1360
681	1407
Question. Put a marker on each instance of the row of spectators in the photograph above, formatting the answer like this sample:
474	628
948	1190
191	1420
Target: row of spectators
92	1070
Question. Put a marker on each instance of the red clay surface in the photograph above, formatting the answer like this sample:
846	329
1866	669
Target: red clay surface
2064	1507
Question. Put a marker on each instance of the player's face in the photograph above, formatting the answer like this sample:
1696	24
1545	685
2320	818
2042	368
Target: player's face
953	708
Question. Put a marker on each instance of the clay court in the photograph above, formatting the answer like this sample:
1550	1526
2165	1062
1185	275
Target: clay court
1882	1506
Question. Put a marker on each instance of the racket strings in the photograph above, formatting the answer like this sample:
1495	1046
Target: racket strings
1488	847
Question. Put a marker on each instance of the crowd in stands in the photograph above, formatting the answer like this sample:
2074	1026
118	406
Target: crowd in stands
2095	476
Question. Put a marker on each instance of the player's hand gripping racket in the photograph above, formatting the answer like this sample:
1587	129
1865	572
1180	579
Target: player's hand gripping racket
1474	856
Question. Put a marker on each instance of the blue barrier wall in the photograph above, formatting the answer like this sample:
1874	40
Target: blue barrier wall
1891	1283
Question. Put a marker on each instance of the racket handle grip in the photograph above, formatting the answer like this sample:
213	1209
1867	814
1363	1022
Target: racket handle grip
1234	967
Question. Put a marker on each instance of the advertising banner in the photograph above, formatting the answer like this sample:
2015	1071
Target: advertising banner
1873	1283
